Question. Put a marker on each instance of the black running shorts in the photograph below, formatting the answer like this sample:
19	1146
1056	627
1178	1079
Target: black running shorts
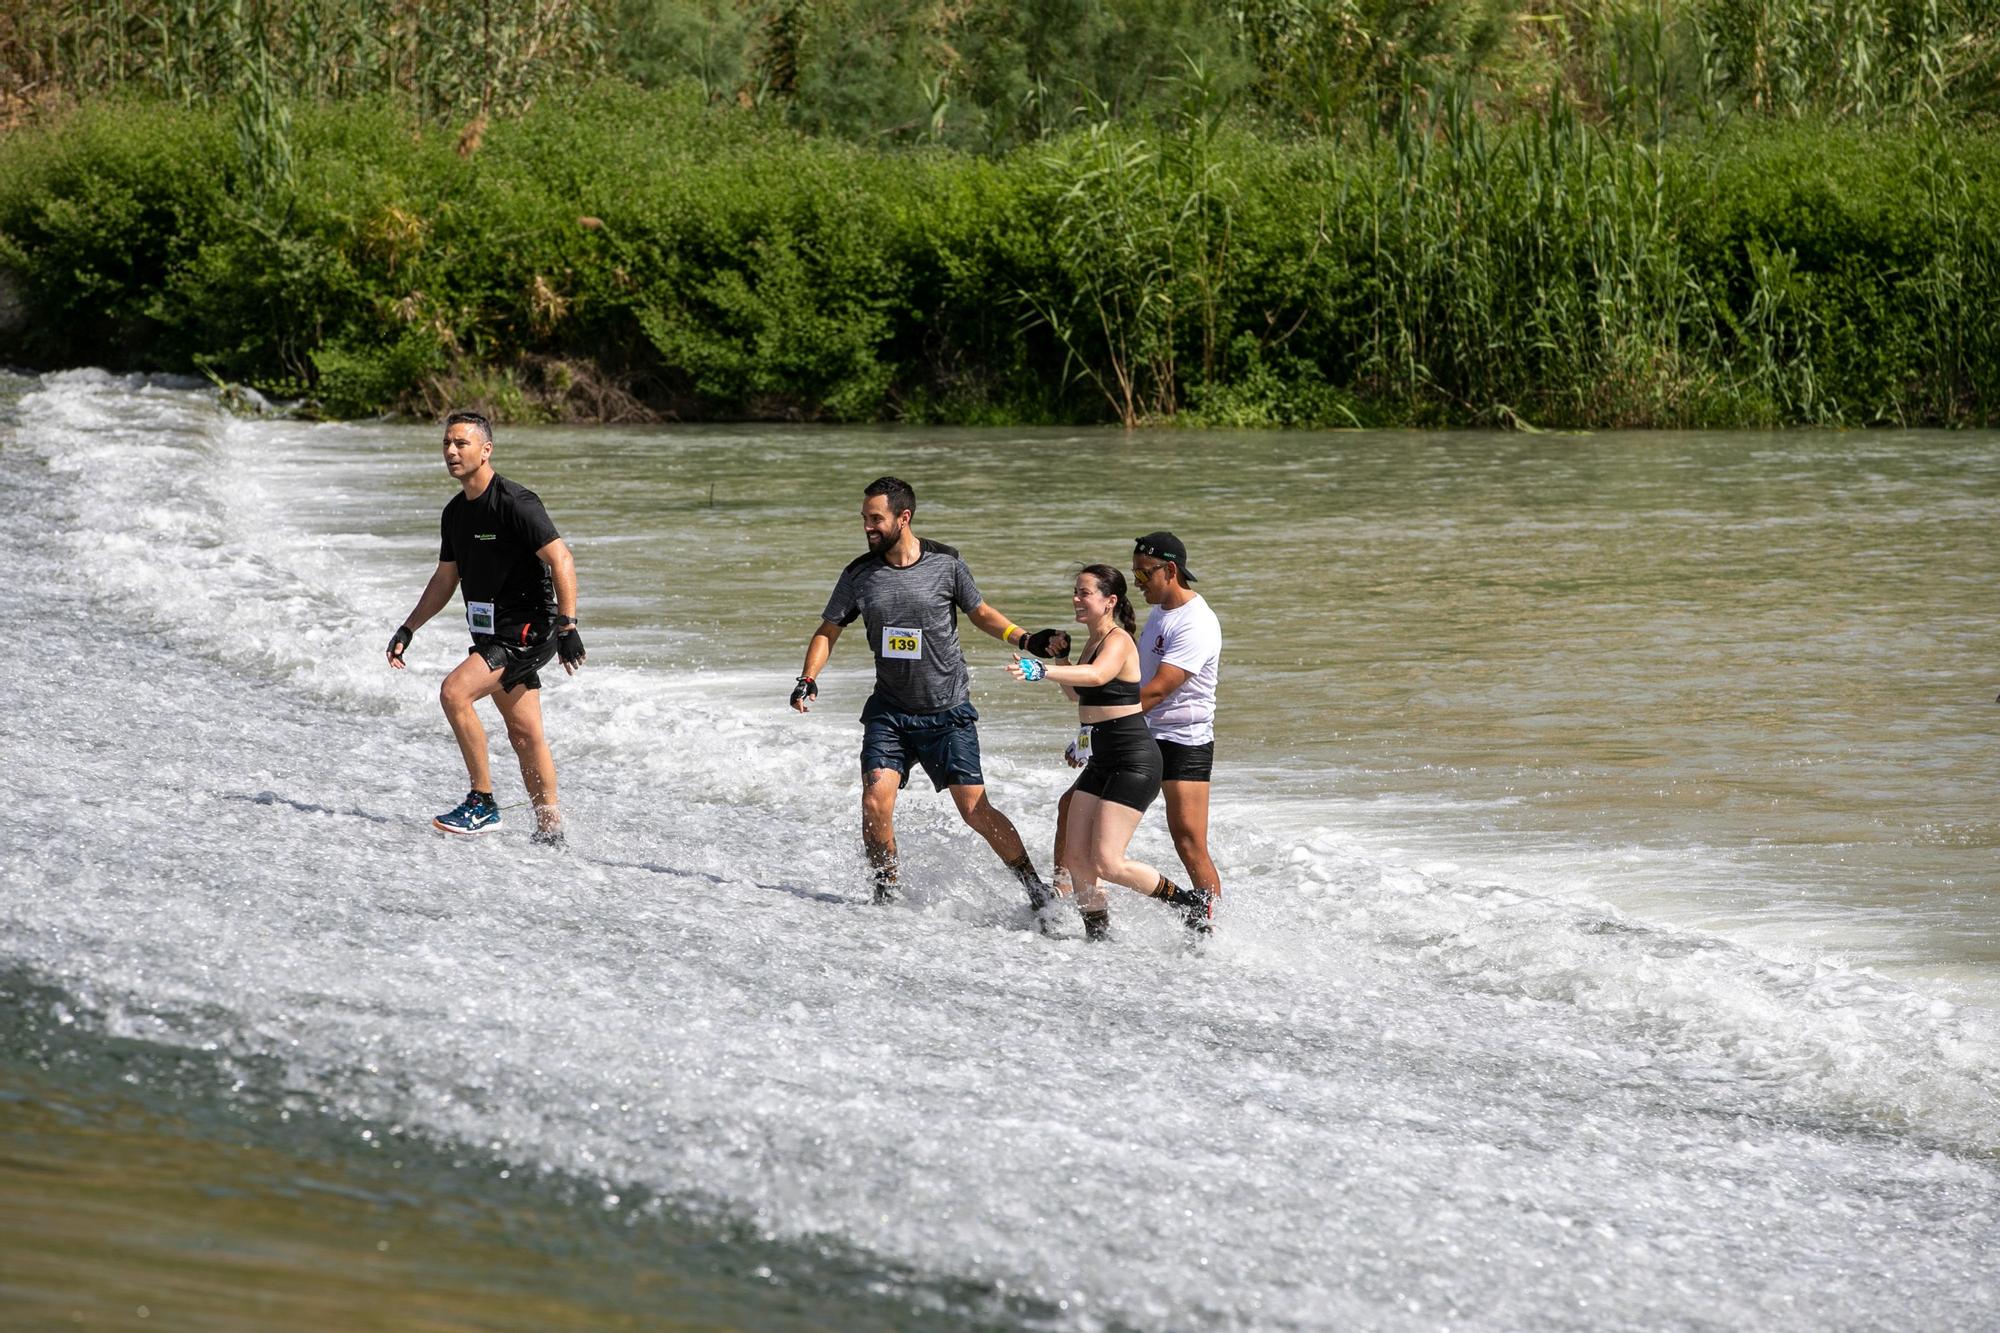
518	653
1186	763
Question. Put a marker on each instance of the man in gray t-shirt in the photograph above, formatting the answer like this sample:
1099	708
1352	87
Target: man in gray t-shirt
908	592
911	614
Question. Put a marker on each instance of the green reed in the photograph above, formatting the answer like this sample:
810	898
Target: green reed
994	77
1140	244
449	61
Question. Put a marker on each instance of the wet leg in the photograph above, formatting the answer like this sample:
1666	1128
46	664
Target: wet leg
521	708
878	827
1187	821
1003	838
469	682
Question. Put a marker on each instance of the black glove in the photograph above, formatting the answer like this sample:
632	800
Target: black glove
569	647
807	689
399	641
1048	643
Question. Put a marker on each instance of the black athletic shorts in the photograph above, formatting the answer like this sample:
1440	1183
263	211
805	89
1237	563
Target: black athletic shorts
1124	765
1186	763
518	653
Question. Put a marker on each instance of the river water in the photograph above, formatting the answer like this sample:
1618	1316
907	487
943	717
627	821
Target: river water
1608	937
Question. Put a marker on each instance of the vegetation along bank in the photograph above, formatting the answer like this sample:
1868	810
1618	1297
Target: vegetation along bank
1208	244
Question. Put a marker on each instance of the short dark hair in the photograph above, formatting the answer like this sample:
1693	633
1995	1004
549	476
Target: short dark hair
900	494
470	419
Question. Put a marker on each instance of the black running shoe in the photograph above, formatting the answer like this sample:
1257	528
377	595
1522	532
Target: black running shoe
1041	898
1042	901
1197	907
477	813
552	838
1097	925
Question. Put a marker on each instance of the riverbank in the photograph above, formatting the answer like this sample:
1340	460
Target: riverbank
633	255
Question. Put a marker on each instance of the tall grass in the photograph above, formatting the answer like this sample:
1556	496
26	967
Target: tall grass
1141	245
997	75
446	61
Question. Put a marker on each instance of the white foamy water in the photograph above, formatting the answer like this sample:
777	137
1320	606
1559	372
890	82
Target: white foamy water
1393	1093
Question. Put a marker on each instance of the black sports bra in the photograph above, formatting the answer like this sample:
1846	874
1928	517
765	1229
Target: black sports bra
1112	693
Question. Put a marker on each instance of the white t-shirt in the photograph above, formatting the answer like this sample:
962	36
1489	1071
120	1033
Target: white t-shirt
1189	637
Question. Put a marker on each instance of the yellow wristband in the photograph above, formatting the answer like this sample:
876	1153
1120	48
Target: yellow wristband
1011	631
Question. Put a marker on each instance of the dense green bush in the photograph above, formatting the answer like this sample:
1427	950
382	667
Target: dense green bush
648	250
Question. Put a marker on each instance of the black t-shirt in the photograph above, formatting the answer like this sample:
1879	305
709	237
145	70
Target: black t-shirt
493	541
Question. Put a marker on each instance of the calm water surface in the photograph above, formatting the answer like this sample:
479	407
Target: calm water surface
1605	822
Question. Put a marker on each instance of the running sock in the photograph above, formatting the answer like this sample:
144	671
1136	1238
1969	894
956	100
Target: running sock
486	797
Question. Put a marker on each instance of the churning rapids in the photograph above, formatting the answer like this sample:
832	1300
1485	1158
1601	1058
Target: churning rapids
1388	1095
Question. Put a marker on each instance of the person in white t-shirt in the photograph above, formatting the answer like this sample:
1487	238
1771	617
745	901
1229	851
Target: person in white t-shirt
1180	658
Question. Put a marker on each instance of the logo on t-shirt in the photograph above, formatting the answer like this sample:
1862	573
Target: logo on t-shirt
1159	643
485	536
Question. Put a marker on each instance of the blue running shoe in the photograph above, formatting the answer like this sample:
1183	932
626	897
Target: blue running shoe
477	813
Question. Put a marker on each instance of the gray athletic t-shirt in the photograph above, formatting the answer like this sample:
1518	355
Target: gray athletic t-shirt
912	620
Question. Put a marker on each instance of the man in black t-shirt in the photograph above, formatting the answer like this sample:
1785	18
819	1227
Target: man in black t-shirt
519	581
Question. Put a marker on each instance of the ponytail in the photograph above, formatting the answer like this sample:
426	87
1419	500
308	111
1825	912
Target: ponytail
1112	582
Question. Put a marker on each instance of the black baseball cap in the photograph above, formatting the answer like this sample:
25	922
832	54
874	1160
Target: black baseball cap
1165	546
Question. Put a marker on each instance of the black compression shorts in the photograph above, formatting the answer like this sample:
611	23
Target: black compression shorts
1186	763
1124	763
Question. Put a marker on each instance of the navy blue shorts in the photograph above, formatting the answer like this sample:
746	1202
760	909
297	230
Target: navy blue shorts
946	744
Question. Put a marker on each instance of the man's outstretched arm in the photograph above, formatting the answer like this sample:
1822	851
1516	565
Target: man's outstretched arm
1042	643
436	595
818	649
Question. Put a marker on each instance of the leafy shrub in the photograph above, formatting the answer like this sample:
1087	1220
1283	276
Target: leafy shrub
675	256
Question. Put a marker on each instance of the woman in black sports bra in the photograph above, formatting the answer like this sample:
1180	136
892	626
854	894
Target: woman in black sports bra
1123	773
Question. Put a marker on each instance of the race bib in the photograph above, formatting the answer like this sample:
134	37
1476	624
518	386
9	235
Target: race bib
1083	743
479	617
907	644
